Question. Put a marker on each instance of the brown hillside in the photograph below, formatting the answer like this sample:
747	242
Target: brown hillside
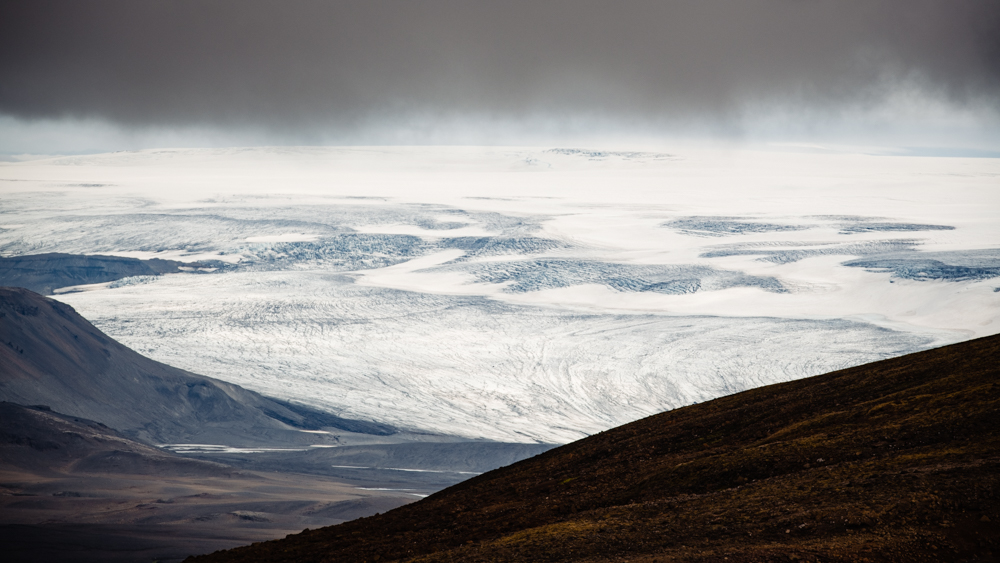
897	460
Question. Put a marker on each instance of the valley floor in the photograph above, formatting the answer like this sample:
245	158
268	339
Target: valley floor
128	517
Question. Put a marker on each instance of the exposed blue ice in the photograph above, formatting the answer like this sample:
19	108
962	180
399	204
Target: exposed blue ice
535	275
866	227
721	226
787	251
500	246
132	280
343	252
968	265
846	224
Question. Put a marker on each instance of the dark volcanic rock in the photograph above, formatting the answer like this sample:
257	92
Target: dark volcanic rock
898	460
45	273
50	355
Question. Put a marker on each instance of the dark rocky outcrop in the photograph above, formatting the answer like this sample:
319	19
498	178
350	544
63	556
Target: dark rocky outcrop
44	273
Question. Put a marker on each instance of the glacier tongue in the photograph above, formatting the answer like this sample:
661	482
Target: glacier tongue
465	365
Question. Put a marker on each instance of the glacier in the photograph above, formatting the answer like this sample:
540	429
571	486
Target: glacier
516	293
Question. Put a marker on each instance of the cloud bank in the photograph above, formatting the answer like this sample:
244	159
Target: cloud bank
316	70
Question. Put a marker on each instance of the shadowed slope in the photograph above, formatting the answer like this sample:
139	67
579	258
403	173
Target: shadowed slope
45	273
51	355
75	491
897	460
36	439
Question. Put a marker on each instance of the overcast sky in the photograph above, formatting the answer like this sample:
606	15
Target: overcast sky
76	73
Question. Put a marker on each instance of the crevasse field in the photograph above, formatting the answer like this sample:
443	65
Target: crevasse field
519	294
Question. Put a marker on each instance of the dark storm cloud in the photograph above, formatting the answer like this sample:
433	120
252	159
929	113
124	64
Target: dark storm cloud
307	64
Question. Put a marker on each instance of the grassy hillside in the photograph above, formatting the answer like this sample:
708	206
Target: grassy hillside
897	460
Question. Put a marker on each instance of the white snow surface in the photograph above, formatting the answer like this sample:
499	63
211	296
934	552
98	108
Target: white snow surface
520	294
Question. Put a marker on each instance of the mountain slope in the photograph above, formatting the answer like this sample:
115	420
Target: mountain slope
39	440
46	272
897	460
75	491
51	355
